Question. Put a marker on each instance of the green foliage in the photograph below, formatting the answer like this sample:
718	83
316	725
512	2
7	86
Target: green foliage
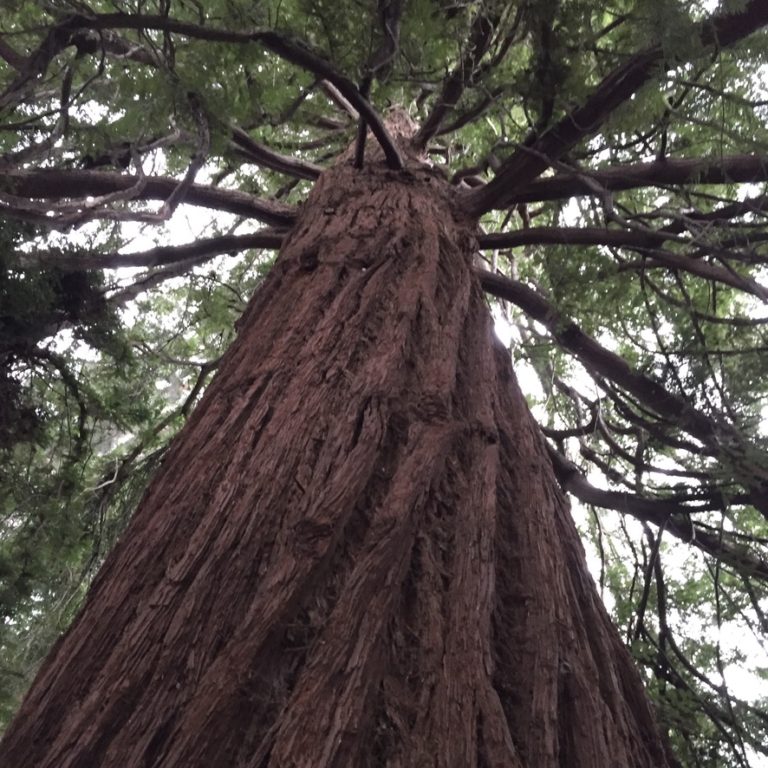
102	421
100	367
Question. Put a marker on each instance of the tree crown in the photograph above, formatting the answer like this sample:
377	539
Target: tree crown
615	159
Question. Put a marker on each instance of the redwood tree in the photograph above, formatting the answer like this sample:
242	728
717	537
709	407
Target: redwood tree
357	550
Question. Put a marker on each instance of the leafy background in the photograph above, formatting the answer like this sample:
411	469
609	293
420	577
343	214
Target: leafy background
102	360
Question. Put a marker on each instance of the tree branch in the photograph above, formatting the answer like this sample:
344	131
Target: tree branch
390	12
11	56
572	236
63	184
531	159
116	46
154	257
717	434
656	257
473	112
636	240
154	277
267	158
745	169
292	51
599	359
672	515
480	37
333	93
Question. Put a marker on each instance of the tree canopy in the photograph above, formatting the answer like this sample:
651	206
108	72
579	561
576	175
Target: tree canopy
153	155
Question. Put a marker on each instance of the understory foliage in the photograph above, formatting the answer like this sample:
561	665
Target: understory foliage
153	155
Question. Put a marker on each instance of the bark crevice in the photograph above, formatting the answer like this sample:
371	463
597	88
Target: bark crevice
380	571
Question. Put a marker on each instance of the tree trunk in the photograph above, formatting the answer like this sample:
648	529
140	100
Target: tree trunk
355	553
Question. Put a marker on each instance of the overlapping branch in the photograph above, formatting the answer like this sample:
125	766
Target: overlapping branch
718	436
18	186
746	169
60	36
532	158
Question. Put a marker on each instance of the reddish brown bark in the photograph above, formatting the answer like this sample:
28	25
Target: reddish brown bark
356	553
60	185
748	169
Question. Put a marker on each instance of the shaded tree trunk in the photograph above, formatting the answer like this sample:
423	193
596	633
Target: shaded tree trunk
355	553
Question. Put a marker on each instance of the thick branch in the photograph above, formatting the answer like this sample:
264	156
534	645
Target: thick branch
745	169
62	184
292	51
718	435
572	236
268	158
674	516
155	257
530	160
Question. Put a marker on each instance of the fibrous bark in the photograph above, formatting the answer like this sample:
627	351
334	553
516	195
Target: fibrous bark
356	552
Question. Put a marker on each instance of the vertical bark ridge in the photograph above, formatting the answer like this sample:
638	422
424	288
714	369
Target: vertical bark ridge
355	553
590	692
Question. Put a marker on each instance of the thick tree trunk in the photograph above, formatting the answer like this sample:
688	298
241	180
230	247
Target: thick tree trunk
356	553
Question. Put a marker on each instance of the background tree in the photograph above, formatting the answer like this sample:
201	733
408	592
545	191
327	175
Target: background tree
616	159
